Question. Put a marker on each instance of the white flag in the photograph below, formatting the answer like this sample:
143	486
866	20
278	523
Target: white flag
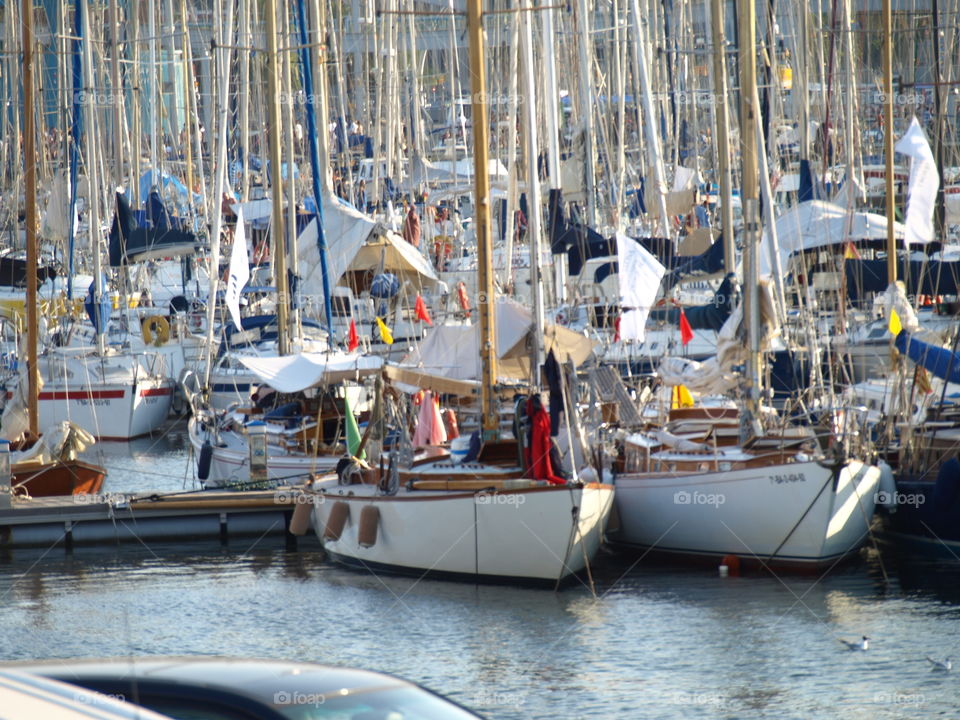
640	274
924	182
239	270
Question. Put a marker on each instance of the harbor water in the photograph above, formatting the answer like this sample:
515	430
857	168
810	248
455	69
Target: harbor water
652	640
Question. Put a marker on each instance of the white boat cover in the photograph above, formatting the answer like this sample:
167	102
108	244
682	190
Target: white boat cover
356	242
817	223
453	351
292	373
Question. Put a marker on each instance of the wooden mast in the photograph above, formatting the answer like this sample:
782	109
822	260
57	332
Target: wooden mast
750	195
490	421
30	219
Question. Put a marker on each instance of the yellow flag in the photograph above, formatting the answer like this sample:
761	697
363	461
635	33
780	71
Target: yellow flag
894	327
681	397
384	332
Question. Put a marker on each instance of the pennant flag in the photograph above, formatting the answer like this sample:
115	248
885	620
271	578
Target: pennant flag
894	327
385	334
353	342
353	431
420	309
850	251
239	270
686	332
681	397
924	182
921	381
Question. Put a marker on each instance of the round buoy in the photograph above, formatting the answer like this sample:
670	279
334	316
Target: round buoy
732	563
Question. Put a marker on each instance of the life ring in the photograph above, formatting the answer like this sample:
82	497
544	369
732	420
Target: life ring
155	329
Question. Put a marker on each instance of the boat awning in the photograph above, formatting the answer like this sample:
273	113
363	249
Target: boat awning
292	373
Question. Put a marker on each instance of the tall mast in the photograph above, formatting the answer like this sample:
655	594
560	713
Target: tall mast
750	194
533	189
117	93
649	118
93	184
723	134
309	69
585	46
490	421
30	197
276	184
888	135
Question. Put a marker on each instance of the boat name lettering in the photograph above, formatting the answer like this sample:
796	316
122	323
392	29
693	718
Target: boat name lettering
788	478
87	401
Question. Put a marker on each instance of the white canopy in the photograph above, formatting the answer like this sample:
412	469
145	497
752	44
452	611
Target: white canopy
356	242
817	223
346	229
453	351
292	373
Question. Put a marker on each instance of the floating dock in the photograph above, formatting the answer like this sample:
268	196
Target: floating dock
114	518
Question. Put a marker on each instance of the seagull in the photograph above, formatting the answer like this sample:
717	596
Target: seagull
946	664
862	644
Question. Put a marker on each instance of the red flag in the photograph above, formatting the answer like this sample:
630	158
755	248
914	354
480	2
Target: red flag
353	342
616	329
686	332
420	309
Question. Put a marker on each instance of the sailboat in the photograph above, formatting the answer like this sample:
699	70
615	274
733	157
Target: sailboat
480	520
35	472
732	479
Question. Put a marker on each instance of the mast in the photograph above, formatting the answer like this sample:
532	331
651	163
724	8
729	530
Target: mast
551	113
585	46
750	194
117	92
888	136
319	170
276	184
723	134
93	190
490	421
225	37
533	190
649	118
30	219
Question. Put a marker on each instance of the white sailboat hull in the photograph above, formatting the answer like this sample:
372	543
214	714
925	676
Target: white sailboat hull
802	514
230	460
540	534
109	411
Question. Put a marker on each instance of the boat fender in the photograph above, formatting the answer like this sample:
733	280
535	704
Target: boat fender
369	519
203	462
155	329
336	521
300	521
462	298
887	488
